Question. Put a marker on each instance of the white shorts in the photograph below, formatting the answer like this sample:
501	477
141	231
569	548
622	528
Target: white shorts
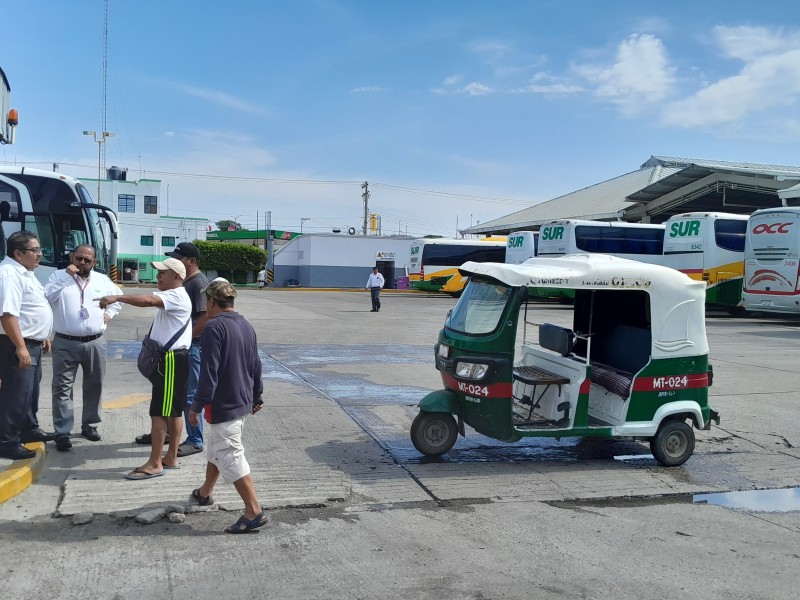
224	449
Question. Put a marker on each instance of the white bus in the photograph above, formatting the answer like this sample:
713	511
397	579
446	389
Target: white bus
709	246
59	210
434	261
772	261
521	246
636	241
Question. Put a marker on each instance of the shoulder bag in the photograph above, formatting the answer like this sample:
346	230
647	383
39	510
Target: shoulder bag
152	352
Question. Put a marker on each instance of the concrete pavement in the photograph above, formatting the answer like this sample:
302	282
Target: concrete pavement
357	513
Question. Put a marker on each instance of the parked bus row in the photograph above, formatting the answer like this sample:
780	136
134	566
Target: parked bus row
750	263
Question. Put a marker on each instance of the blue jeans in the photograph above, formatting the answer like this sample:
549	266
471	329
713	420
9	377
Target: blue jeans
194	435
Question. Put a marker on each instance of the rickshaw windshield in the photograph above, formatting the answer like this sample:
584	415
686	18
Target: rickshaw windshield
480	308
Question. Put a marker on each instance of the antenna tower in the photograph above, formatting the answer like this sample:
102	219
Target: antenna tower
105	77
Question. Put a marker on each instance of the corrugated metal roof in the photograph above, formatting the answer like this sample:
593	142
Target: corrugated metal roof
608	200
671	161
602	201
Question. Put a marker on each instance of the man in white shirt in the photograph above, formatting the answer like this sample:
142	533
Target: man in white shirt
170	383
79	324
260	278
374	285
26	321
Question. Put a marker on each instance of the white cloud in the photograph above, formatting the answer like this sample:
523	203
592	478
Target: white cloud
542	83
748	43
221	98
453	80
640	76
367	89
476	89
769	80
471	89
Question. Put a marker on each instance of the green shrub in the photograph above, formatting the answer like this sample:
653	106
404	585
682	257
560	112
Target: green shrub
231	261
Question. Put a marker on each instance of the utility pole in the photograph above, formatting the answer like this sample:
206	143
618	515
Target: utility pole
270	266
365	196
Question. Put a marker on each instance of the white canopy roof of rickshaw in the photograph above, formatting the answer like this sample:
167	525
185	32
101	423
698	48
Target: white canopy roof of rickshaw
677	302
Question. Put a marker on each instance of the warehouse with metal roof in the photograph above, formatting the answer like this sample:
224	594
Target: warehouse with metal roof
663	186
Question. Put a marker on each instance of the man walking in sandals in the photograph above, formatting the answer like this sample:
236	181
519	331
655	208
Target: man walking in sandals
230	388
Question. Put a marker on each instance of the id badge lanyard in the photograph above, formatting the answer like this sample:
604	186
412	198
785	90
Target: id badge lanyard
84	312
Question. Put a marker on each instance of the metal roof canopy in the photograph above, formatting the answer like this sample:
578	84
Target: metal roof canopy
706	188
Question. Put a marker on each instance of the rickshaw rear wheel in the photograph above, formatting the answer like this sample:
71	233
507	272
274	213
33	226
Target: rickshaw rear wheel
673	444
433	433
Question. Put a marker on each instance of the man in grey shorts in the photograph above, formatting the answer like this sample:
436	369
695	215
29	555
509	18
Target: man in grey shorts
230	388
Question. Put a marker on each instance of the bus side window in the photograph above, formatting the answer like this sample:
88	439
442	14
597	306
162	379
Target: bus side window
42	227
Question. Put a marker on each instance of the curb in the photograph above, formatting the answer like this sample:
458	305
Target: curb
20	474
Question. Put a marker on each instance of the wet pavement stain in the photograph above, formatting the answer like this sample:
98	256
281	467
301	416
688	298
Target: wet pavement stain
770	501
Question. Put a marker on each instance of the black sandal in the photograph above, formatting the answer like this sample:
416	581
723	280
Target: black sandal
147	440
244	525
202	500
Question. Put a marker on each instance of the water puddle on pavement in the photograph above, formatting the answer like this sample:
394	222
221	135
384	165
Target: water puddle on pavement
760	501
773	501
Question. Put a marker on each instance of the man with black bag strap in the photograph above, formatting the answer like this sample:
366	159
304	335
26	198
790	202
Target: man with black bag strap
170	380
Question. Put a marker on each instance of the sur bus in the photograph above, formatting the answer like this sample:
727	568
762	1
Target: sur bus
522	245
772	261
59	210
709	246
636	241
435	260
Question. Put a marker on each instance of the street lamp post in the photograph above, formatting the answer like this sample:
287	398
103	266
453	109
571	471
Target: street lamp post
303	220
99	140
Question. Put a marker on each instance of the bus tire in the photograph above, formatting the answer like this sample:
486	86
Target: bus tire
433	434
673	443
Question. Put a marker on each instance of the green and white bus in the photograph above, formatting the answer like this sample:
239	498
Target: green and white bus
709	246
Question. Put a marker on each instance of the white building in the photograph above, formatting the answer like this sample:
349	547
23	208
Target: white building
146	232
341	261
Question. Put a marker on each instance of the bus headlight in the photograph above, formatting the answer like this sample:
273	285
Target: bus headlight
444	351
467	370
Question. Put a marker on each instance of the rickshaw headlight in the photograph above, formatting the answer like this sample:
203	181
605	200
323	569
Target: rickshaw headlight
467	370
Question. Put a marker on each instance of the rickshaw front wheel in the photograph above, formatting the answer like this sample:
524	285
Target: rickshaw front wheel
433	433
673	444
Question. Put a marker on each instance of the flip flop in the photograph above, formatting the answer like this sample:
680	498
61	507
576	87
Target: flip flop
244	525
139	474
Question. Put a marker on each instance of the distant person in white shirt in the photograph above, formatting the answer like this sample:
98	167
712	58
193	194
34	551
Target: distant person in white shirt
261	274
79	324
374	285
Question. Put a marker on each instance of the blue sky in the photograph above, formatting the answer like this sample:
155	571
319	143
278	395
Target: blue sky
453	111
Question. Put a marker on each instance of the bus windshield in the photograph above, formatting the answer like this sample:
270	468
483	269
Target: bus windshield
479	309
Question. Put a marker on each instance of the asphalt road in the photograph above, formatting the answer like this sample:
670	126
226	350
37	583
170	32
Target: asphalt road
356	512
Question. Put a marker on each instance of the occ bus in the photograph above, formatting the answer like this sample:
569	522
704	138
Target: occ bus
434	261
709	247
60	211
772	261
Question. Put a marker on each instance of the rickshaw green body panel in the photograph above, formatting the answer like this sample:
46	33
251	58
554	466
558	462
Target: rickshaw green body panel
440	401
